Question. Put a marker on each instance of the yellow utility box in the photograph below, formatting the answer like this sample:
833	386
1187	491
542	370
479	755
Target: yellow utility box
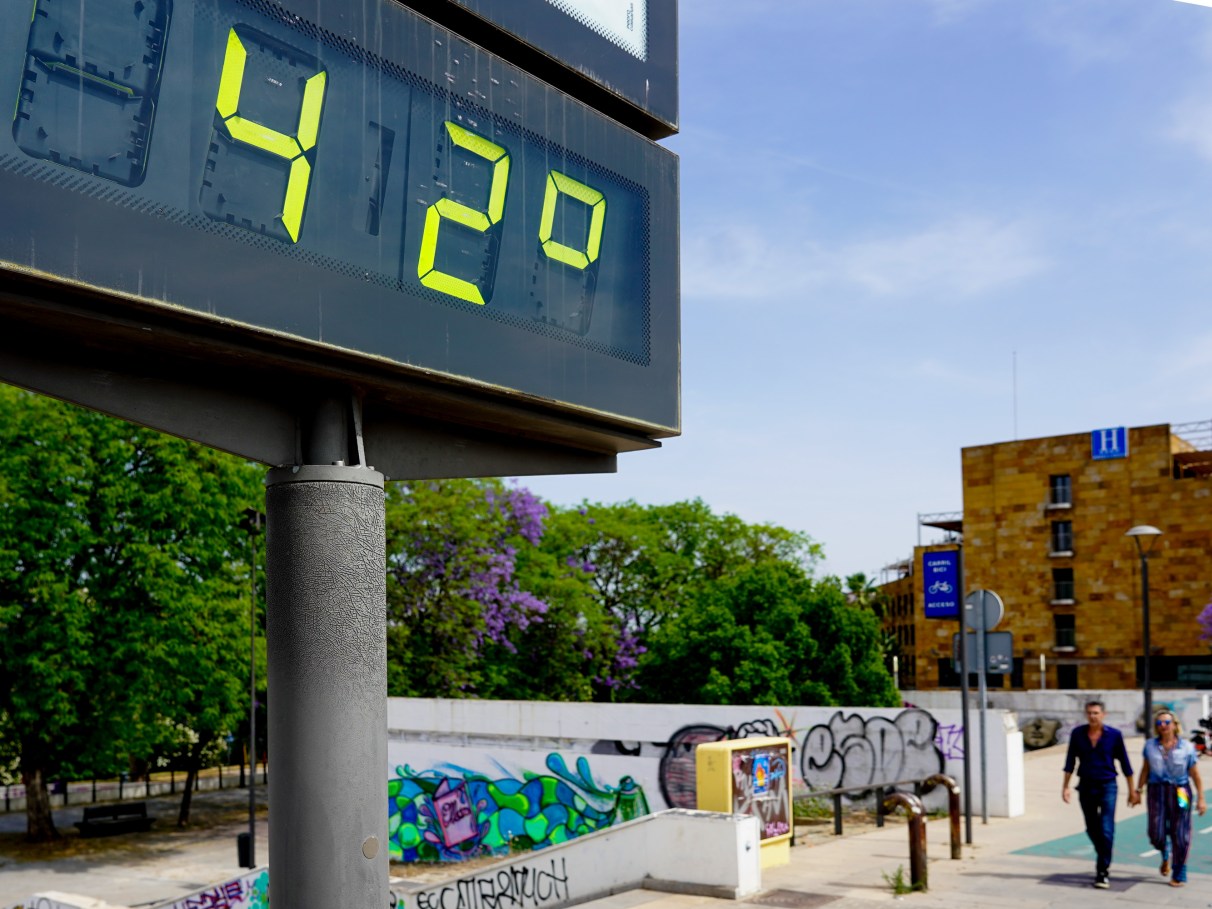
750	777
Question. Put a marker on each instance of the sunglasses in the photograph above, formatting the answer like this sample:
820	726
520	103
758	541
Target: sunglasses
1163	722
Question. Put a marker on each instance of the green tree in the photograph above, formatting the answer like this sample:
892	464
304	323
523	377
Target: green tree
452	594
117	615
646	565
767	633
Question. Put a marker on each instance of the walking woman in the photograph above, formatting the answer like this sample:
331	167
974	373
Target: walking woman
1173	776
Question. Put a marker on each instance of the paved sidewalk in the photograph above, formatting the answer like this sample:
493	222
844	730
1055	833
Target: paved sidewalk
848	873
140	870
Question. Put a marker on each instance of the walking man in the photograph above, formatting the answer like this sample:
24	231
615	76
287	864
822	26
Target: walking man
1095	748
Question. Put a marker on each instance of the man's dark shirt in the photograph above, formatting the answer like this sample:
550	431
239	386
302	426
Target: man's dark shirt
1097	762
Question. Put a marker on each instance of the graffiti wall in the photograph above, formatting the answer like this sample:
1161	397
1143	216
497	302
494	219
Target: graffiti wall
469	778
851	750
448	811
249	891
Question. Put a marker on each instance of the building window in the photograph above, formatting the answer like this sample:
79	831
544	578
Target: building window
1060	489
1062	585
1062	536
1066	631
1066	677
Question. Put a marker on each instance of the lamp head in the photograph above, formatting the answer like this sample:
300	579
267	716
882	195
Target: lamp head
1145	536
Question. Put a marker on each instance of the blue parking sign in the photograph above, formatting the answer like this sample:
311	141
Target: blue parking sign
941	584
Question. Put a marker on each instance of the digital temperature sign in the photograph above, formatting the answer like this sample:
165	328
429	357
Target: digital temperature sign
349	176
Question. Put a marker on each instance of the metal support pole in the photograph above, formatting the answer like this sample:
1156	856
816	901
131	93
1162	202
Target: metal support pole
953	808
967	740
982	659
327	641
253	523
1144	598
917	834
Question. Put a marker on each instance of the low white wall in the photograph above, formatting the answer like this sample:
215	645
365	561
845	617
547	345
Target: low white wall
53	899
604	750
686	851
1125	708
696	852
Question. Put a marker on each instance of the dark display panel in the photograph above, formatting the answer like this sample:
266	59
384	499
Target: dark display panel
628	48
356	178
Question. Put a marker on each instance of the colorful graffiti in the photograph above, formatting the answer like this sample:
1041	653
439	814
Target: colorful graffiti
454	813
248	892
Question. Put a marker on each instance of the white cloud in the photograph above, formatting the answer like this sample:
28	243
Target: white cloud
1192	124
947	12
960	259
964	258
1089	32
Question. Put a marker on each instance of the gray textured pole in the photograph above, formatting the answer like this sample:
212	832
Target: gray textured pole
327	641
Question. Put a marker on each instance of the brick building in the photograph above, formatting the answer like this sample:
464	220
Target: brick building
1043	526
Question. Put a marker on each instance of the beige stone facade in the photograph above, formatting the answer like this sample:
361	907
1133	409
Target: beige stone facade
1043	526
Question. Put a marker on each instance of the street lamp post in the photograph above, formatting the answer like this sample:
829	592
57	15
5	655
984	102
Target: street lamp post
252	523
1150	534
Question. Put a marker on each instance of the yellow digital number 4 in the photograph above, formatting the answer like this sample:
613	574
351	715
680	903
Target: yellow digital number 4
258	135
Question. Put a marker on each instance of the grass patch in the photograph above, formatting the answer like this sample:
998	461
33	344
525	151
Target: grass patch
897	882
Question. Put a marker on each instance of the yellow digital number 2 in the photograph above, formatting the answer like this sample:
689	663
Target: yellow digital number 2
449	209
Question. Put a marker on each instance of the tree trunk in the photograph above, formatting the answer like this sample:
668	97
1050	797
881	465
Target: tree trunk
187	797
39	821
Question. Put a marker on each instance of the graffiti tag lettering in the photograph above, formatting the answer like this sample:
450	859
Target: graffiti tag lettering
850	751
519	886
950	741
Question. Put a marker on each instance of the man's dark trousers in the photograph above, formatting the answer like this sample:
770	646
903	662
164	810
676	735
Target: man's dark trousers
1098	806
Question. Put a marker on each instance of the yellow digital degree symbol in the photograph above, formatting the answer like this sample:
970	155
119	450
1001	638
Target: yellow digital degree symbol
258	135
557	184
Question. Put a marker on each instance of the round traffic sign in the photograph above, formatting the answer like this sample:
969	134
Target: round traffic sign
989	604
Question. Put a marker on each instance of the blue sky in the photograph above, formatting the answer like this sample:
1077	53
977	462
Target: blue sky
890	209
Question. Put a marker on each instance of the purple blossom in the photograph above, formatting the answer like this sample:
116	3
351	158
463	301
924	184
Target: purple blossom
1205	623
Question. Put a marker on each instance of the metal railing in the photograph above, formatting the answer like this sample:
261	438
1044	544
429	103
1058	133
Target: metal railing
889	798
86	792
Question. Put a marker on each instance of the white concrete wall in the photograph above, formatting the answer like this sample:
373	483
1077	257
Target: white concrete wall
53	899
695	852
1125	708
686	851
653	743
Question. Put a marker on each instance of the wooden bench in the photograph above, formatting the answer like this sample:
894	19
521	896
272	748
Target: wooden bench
105	820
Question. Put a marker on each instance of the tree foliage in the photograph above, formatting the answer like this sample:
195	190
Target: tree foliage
452	594
118	605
